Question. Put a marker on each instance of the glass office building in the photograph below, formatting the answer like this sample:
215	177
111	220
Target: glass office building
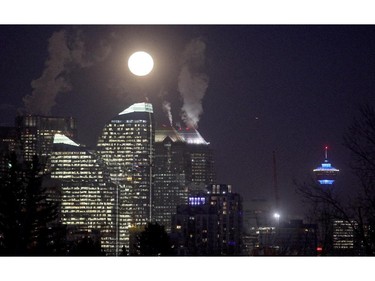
126	146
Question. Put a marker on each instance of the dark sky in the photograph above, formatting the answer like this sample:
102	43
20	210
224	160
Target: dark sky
287	88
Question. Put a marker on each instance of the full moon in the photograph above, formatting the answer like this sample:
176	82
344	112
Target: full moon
140	63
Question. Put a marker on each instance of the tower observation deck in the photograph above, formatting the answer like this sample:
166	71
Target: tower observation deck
326	174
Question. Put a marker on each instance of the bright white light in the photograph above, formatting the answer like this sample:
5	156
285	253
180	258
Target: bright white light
276	215
59	138
140	63
138	107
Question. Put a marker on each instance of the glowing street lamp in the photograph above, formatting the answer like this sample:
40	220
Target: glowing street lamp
277	218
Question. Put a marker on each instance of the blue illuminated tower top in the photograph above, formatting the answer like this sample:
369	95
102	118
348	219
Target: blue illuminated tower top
326	174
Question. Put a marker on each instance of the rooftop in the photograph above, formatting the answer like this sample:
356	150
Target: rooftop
138	107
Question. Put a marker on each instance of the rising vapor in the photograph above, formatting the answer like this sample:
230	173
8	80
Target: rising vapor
167	109
65	51
192	82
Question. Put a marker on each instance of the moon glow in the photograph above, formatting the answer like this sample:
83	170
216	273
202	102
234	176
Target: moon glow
140	63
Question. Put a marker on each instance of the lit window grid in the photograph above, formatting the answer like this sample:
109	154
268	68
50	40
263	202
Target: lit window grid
126	146
87	200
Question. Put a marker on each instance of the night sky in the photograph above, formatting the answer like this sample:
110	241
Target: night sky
291	89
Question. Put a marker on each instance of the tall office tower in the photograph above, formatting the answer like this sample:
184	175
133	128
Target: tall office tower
127	147
230	218
8	143
326	174
36	134
170	175
195	228
87	196
201	167
344	239
211	223
183	164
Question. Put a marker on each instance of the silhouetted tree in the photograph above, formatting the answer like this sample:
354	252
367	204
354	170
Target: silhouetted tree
359	210
27	218
360	140
154	241
86	247
123	252
325	207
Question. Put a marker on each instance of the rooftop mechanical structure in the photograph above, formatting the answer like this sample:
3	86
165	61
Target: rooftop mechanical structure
326	174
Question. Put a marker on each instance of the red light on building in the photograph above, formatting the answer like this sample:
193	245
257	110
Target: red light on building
319	249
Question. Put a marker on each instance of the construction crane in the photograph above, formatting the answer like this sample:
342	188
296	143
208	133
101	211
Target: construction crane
275	186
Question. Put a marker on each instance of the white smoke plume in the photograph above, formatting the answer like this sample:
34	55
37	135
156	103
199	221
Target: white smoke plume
65	51
167	109
193	82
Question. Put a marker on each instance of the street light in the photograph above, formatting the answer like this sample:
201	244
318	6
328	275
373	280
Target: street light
277	217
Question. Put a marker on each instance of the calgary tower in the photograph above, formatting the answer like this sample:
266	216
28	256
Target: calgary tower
326	174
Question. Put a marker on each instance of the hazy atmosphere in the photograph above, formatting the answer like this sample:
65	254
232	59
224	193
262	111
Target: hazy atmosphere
268	84
249	89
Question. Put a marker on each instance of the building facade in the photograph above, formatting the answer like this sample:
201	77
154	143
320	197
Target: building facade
36	134
345	240
200	160
183	165
87	196
210	224
8	144
127	148
171	175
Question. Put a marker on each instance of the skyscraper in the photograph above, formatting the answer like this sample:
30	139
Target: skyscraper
343	237
201	162
127	147
171	175
87	196
8	143
36	135
210	224
183	165
230	217
326	174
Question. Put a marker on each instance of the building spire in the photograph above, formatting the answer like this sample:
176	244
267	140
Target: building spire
276	188
326	153
326	174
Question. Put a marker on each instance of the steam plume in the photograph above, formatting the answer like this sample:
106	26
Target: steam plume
65	51
167	110
192	82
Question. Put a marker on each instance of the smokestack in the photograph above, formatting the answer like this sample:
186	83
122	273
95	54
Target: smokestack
192	82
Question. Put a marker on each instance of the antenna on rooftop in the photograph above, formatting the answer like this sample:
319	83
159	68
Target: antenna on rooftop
275	186
326	152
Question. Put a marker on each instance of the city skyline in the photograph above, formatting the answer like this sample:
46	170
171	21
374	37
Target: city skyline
30	58
288	89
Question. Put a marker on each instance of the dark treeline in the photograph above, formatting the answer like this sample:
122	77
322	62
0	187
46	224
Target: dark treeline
30	226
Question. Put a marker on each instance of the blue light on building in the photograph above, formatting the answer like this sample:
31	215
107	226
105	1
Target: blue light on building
326	174
197	200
